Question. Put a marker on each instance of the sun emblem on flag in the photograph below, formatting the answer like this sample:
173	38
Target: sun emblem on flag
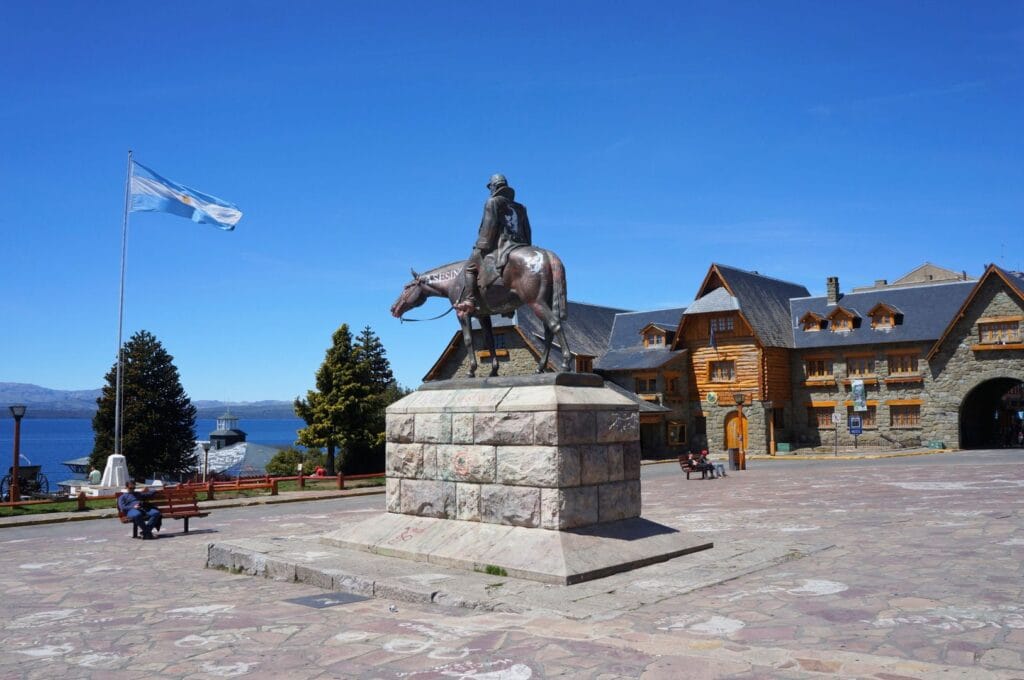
185	199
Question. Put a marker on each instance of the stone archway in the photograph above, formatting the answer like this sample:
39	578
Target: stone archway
990	414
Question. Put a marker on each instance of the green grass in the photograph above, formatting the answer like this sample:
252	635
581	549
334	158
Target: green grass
62	506
72	505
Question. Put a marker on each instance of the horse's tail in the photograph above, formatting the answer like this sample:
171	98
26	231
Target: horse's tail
559	303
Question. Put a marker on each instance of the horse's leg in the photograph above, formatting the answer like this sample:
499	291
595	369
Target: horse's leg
546	317
567	363
485	323
467	342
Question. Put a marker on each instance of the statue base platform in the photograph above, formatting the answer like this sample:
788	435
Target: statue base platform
557	557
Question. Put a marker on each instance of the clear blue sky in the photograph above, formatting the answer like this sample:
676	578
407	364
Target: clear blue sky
801	140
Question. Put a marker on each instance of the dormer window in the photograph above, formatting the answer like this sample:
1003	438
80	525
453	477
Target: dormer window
842	320
654	336
812	322
884	317
654	339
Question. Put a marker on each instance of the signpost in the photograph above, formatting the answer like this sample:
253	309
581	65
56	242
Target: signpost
856	427
836	419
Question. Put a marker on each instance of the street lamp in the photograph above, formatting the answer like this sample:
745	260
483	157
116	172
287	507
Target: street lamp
206	460
18	410
739	398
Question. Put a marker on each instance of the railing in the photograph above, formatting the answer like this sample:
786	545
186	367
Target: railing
212	487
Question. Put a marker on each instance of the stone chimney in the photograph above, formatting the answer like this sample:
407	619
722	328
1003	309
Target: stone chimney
881	283
832	286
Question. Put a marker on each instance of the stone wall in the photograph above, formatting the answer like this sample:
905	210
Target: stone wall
533	455
519	361
882	435
956	369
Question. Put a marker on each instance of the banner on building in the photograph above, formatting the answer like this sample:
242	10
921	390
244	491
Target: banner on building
860	399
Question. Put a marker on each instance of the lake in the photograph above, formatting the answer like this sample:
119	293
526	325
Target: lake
49	442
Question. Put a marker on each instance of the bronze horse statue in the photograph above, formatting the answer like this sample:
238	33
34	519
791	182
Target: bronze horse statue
533	276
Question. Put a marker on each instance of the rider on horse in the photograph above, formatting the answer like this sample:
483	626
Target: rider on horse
503	227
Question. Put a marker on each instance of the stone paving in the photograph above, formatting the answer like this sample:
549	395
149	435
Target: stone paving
924	580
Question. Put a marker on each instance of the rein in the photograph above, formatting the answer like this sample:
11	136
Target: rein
433	318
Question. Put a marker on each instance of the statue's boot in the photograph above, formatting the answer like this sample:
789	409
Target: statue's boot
472	297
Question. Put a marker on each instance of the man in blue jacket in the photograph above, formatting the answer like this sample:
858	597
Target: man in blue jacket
132	505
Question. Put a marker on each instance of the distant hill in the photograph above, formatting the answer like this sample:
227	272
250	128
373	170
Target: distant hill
43	402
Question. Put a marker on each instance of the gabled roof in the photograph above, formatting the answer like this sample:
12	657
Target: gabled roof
926	310
811	315
643	405
636	358
587	328
928	273
843	311
626	351
718	300
763	301
1013	280
627	326
883	306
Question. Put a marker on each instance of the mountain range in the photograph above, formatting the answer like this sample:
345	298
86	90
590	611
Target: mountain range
42	402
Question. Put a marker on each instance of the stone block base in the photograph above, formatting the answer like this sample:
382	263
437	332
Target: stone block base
552	451
559	557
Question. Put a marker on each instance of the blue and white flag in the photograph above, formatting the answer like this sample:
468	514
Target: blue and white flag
152	193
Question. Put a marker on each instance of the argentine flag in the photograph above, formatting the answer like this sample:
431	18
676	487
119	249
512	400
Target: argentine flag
152	193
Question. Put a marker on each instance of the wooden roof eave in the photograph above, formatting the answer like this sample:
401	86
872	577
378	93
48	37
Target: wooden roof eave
701	292
990	271
453	345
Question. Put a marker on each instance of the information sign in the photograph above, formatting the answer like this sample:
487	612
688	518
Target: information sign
837	418
856	425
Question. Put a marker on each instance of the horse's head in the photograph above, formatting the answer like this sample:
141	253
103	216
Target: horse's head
413	295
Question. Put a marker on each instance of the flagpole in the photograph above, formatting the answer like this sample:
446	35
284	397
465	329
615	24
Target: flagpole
120	309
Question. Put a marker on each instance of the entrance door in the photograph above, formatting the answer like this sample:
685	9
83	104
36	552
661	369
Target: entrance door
733	430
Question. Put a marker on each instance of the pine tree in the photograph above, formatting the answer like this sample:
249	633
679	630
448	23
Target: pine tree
345	412
158	420
334	410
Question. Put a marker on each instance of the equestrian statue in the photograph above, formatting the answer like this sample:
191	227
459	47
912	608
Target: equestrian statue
503	272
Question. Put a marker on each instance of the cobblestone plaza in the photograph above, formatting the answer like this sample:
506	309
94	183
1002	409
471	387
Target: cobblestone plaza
898	568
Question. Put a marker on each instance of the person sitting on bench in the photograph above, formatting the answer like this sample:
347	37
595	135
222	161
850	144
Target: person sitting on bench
718	469
706	470
132	504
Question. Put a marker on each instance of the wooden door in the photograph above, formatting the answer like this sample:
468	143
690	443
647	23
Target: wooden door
733	430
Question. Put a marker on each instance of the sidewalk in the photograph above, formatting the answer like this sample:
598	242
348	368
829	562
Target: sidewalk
107	513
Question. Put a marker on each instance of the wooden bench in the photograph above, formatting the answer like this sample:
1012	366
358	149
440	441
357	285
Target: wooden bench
684	463
173	503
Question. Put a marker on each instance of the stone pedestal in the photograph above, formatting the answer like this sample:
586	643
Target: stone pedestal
535	477
555	451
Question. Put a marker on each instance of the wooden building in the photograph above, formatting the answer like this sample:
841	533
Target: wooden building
932	359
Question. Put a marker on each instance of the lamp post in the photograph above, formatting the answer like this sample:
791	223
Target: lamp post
739	398
206	460
771	427
18	410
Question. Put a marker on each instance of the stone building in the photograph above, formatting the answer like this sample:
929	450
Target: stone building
519	342
932	359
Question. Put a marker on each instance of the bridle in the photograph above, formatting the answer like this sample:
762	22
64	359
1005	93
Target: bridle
421	282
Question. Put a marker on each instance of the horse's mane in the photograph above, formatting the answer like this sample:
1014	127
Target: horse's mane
445	271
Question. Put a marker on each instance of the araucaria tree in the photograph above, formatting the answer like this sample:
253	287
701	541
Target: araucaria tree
158	420
346	410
